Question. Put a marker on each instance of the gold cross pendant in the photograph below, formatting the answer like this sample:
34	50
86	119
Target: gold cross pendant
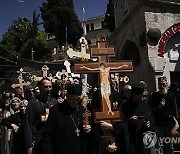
77	131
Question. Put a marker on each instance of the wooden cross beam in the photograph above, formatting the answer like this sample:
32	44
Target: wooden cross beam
102	52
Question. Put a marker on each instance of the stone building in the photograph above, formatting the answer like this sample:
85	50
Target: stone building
148	32
95	29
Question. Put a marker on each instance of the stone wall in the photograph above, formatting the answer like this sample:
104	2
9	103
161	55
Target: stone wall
161	18
123	8
133	26
98	32
156	19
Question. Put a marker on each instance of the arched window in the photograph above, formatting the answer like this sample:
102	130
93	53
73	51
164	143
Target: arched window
92	26
87	27
132	53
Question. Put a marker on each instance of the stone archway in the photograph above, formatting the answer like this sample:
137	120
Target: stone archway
130	51
168	39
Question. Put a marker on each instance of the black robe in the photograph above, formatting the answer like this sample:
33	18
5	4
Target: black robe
18	146
95	144
33	126
129	109
59	136
163	116
121	135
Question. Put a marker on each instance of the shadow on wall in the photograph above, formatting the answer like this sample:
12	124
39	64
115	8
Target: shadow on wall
130	51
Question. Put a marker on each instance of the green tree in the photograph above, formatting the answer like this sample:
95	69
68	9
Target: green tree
16	35
22	36
59	14
109	17
38	44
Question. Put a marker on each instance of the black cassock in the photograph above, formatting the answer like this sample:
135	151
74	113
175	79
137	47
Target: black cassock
59	136
136	131
33	126
162	115
18	118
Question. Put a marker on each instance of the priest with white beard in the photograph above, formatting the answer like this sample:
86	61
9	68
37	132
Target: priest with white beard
164	107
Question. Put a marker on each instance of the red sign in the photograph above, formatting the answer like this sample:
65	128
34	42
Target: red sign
165	37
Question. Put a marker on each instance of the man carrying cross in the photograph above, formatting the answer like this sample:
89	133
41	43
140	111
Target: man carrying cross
105	81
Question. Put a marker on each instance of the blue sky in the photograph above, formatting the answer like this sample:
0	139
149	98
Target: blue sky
12	9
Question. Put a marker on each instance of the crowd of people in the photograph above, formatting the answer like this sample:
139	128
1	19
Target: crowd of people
51	118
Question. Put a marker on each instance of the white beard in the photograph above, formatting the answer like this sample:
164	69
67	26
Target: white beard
163	91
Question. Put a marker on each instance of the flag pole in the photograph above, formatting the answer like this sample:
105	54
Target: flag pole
83	11
66	45
84	76
84	27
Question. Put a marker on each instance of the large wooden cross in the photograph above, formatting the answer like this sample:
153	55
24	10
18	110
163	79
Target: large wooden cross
21	83
102	52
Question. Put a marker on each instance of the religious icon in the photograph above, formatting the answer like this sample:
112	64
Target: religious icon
105	82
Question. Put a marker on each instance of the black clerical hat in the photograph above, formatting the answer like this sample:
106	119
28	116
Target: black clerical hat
174	86
137	89
74	89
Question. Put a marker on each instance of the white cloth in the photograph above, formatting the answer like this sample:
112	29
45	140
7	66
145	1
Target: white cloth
105	89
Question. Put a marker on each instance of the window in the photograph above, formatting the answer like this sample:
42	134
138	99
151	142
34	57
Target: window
87	27
92	26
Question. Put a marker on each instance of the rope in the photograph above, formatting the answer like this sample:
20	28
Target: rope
8	60
9	52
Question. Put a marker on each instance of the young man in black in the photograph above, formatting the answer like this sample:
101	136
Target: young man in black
36	115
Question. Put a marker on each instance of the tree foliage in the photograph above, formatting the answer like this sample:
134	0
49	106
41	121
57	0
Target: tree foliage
59	14
16	35
22	36
109	17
